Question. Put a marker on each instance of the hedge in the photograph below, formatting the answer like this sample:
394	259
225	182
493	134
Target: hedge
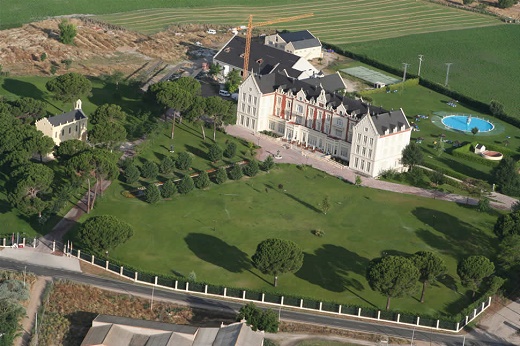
465	152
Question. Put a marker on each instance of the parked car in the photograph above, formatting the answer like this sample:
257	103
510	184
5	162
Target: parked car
224	93
211	31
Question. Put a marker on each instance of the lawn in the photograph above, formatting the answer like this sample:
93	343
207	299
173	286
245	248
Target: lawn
215	232
482	60
419	100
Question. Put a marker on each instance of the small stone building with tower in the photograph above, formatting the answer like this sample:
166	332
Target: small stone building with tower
62	127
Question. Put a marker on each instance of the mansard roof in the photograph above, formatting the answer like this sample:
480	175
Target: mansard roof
313	88
73	115
263	59
390	120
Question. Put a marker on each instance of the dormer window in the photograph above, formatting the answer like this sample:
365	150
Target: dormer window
227	50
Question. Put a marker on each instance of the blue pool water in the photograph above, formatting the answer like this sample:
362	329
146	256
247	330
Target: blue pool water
461	123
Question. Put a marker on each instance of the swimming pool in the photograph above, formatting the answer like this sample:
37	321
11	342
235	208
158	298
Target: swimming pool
466	123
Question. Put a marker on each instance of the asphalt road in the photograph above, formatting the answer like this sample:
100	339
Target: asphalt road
227	307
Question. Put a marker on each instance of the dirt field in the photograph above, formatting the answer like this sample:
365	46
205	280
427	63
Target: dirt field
98	49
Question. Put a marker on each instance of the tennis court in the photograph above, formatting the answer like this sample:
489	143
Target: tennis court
369	75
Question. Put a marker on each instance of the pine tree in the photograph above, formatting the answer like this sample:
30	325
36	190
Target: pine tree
152	194
220	176
186	185
251	169
202	181
235	173
168	189
131	174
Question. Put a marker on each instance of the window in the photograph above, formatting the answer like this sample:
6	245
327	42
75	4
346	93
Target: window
244	97
281	128
299	109
366	129
339	122
299	120
243	107
253	123
76	128
327	128
309	122
371	141
248	109
357	149
272	125
365	139
368	166
242	120
278	111
344	152
328	116
359	136
369	153
247	122
362	164
55	134
254	110
364	151
279	100
318	126
289	103
70	129
250	98
339	133
356	162
62	132
255	99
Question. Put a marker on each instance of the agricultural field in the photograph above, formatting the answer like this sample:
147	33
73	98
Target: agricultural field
483	60
215	232
337	23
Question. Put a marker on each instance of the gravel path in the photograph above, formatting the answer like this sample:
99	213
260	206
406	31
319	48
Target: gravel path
293	154
34	303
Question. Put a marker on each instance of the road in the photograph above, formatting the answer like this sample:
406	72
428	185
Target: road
228	307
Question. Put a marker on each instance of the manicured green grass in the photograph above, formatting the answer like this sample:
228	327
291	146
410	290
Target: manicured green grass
483	60
386	19
419	100
215	232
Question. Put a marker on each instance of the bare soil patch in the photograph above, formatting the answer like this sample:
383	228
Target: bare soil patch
491	6
98	49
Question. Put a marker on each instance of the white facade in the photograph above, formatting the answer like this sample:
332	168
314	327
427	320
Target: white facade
309	48
70	125
370	143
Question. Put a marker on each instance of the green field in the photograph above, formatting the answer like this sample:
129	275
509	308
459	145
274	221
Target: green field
484	60
380	18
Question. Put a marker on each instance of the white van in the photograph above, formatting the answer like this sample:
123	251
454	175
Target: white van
211	31
224	93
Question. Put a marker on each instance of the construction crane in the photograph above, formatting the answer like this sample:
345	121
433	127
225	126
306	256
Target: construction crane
250	33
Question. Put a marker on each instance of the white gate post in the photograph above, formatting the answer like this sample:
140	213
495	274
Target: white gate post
155	282
339	309
79	253
418	319
53	245
243	295
205	289
225	291
301	303
263	297
121	271
135	276
187	286
92	259
359	312
106	265
398	317
378	314
437	324
321	304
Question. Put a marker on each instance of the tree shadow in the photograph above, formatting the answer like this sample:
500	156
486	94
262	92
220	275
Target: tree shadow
453	236
448	281
215	251
186	128
80	323
197	152
22	89
284	192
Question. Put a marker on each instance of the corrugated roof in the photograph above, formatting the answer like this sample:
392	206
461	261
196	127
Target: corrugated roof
76	114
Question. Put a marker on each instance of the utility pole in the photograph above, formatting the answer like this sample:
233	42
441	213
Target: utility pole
420	62
405	68
448	64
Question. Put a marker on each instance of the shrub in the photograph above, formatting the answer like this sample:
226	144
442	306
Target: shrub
167	165
152	194
259	319
186	185
168	189
215	153
192	276
202	181
230	150
67	32
220	176
235	173
149	170
467	2
318	233
183	161
506	3
251	169
438	177
268	164
132	174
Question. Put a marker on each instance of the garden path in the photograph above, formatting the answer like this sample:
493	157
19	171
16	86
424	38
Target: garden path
295	155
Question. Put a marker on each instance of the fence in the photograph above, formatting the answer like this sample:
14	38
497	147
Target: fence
18	241
270	299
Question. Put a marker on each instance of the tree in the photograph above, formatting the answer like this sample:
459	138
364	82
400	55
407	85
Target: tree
43	145
152	194
358	180
132	174
430	266
221	175
10	315
186	184
231	150
202	180
43	57
149	170
506	3
277	256
107	113
107	133
31	183
69	87
268	164
507	224
473	269
214	70
412	155
496	108
251	169
67	32
215	153
183	161
168	189
467	2
325	205
29	108
105	232
258	319
235	173
474	130
509	253
233	80
393	276
220	110
70	148
53	69
483	205
506	176
167	165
